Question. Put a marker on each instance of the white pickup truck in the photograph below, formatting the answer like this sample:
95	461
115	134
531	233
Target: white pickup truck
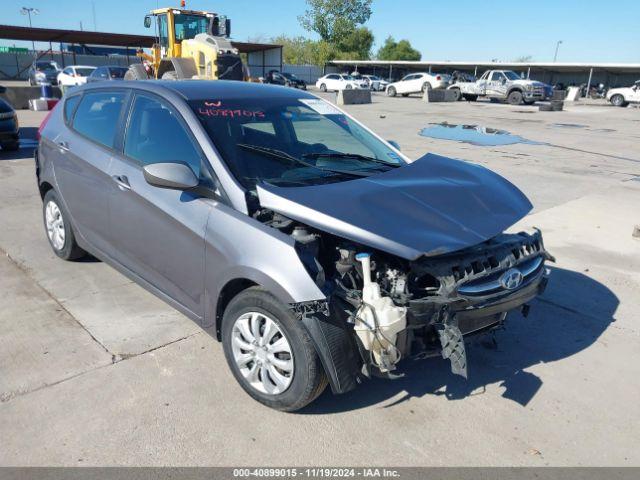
502	85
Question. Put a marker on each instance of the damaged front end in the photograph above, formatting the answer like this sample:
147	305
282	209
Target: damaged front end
381	308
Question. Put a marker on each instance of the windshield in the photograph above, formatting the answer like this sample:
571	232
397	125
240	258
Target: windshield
511	75
291	142
45	66
290	76
188	26
84	72
117	72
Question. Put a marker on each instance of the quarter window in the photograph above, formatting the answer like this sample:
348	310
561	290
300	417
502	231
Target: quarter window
70	105
155	135
97	116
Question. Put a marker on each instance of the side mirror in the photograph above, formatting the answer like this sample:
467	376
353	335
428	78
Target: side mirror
170	175
227	27
147	21
394	144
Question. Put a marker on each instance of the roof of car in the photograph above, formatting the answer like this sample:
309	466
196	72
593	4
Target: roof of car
201	89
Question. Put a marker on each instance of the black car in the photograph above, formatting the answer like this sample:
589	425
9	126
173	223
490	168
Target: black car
43	72
9	136
107	73
287	79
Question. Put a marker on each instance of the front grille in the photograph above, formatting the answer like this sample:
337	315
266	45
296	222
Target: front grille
492	283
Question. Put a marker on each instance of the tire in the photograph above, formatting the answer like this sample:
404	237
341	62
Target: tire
391	92
170	75
348	87
458	94
136	72
426	86
515	97
617	100
31	83
10	147
545	107
323	87
66	246
307	379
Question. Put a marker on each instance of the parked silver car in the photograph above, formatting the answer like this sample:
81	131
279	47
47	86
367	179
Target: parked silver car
305	243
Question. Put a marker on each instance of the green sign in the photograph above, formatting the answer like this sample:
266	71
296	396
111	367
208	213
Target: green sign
13	49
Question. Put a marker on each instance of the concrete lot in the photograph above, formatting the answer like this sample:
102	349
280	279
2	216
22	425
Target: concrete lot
96	371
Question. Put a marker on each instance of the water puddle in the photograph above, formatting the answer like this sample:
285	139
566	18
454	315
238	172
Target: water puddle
473	134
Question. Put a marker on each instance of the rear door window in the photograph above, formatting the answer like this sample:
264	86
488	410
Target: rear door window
97	116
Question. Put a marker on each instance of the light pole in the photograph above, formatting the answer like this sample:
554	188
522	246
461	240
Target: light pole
555	56
28	11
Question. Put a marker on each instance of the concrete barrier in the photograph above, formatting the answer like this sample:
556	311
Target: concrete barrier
19	96
439	96
353	97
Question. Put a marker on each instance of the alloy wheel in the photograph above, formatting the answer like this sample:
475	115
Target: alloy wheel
55	225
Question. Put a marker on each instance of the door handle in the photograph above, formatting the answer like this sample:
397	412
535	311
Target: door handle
63	146
122	181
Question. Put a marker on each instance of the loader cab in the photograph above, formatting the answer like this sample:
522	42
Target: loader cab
173	26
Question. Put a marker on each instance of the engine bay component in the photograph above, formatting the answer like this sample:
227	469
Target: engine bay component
378	320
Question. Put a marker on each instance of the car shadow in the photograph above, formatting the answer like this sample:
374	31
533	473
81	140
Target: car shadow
28	144
568	318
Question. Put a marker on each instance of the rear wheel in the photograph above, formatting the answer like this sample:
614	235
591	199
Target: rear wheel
58	228
348	87
426	86
391	92
457	94
618	101
270	353
515	98
323	87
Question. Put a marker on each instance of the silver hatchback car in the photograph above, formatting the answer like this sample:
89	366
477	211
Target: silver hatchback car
313	249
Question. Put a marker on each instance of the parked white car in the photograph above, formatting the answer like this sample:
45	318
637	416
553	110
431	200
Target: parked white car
418	83
375	83
74	75
621	97
336	81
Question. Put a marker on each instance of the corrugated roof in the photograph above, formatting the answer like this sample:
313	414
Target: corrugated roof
13	32
555	66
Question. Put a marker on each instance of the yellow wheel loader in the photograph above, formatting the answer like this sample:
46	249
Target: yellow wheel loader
189	44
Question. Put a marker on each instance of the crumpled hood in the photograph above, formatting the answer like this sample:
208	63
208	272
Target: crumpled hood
432	206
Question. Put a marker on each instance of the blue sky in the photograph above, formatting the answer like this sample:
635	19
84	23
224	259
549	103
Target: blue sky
441	30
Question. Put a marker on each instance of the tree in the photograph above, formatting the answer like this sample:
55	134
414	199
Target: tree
335	19
356	45
402	50
296	50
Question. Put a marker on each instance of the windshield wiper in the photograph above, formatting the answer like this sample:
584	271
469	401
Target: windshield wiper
275	153
357	156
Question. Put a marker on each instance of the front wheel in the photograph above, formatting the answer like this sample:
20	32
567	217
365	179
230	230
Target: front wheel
58	228
170	75
323	87
457	95
270	352
348	87
618	101
391	92
515	98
